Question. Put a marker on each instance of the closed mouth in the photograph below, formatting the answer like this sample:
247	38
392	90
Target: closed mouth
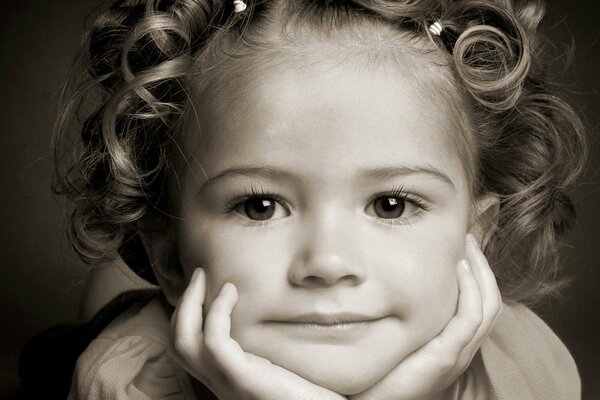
327	319
326	328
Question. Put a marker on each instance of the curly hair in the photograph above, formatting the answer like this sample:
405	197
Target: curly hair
528	144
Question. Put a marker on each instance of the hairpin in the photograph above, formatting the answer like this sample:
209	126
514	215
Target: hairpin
239	6
436	28
446	35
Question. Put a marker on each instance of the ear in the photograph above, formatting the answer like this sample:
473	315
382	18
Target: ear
165	265
484	218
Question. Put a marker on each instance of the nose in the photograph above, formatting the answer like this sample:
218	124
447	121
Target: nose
327	256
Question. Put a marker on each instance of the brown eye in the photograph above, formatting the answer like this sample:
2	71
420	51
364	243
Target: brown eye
259	208
388	207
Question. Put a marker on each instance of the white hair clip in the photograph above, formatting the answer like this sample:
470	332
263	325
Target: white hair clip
448	36
239	6
436	28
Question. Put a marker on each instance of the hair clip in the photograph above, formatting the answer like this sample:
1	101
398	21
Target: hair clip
446	35
239	6
436	28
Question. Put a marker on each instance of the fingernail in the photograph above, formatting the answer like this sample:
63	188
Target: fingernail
472	241
471	237
197	272
227	288
464	264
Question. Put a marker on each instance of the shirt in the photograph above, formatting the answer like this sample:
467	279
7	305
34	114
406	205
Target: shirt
522	359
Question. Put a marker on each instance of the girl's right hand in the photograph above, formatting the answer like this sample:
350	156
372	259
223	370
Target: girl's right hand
207	351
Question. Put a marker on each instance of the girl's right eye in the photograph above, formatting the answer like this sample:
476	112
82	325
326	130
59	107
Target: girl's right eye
260	208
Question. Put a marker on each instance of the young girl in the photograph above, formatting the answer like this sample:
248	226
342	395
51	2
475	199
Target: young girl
313	183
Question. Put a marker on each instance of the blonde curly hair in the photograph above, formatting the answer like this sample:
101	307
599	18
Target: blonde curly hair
526	146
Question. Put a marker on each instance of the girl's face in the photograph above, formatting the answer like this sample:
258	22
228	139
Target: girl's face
337	207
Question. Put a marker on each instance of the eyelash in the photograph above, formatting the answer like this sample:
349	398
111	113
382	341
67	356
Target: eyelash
398	192
255	192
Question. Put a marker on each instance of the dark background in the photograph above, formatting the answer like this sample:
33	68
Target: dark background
41	282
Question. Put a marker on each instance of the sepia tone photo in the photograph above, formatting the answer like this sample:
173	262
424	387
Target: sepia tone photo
300	199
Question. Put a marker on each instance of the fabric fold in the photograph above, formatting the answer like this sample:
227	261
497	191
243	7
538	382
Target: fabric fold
521	359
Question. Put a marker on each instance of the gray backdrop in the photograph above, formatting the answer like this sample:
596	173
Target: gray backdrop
41	281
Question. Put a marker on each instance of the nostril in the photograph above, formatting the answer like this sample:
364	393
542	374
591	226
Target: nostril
350	278
314	280
321	268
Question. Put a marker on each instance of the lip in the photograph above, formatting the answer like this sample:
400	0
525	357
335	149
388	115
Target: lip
325	327
327	319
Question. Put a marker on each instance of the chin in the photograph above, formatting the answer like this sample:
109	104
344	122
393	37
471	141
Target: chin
344	382
347	375
346	362
344	370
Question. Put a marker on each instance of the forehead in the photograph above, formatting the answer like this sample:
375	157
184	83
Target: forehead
315	116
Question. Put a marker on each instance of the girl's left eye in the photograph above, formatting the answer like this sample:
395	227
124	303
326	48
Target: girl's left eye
388	207
395	209
261	208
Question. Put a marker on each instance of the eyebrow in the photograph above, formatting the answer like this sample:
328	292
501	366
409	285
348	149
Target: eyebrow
249	170
381	173
403	170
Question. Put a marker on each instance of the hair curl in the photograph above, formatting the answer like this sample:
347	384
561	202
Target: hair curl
530	144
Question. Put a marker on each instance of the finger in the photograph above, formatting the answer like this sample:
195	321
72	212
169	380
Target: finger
251	374
186	322
186	335
435	363
226	352
490	297
439	361
490	294
461	329
483	271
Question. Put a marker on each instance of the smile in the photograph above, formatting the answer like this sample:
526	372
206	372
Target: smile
315	326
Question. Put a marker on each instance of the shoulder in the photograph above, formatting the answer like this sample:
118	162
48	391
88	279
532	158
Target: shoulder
130	359
524	359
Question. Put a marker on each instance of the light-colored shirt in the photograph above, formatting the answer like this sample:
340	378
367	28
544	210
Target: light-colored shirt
522	359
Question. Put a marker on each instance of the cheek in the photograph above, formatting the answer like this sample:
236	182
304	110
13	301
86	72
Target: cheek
418	273
249	259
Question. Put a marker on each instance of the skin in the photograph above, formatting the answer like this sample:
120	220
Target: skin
326	249
204	347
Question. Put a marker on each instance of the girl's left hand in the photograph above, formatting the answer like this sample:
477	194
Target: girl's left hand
434	367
